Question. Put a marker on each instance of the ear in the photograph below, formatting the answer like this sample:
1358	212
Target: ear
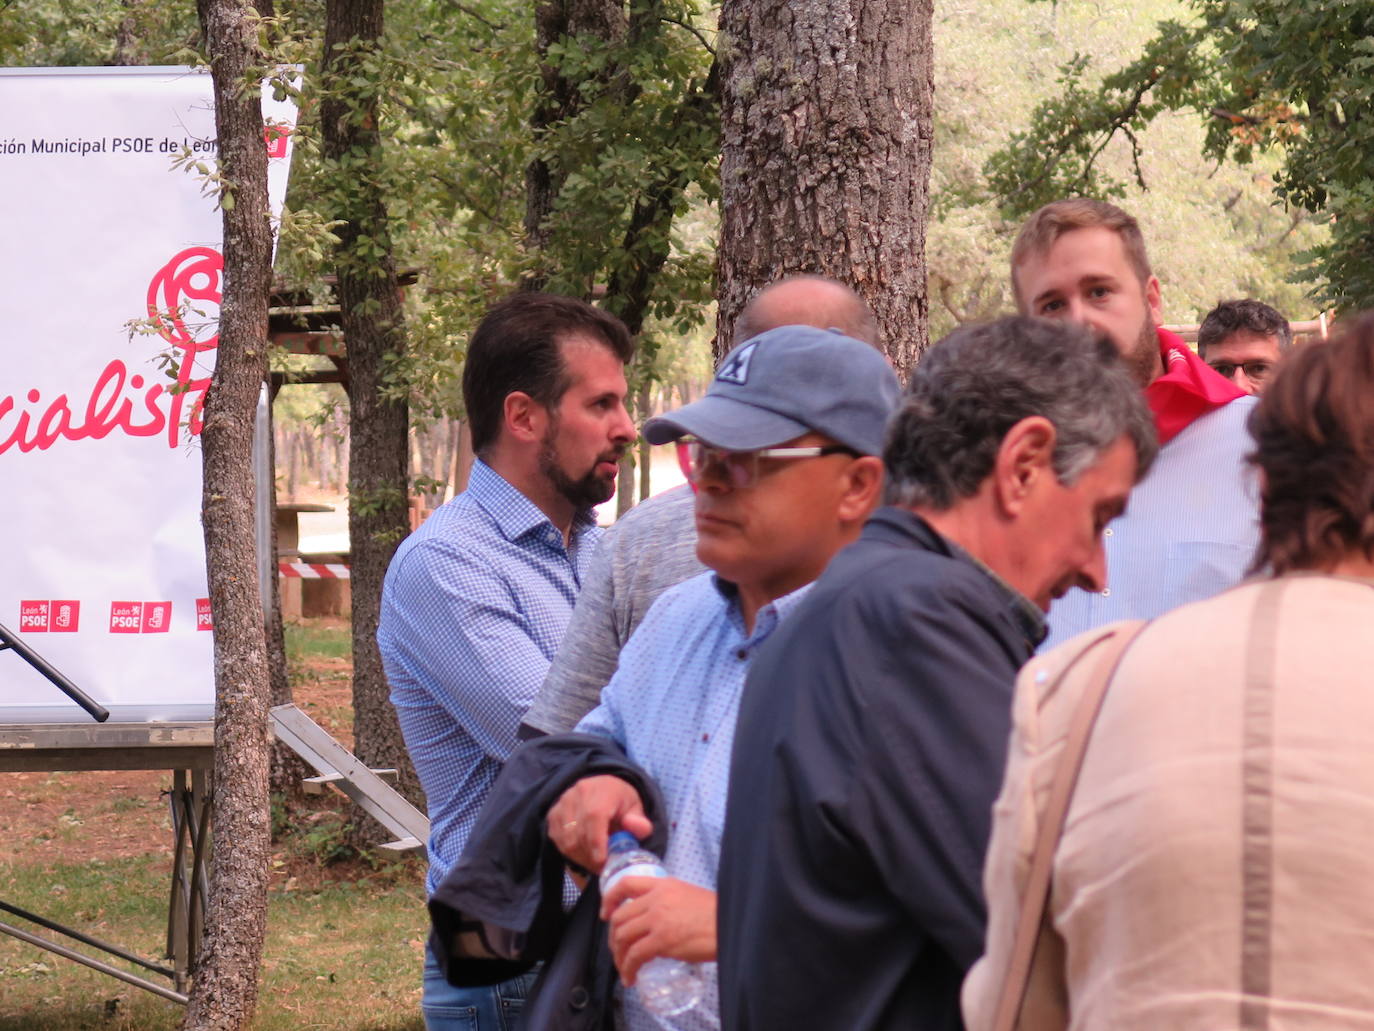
1152	301
1024	458
523	418
862	489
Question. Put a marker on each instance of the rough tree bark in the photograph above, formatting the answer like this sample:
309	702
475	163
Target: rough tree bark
825	156
374	336
225	990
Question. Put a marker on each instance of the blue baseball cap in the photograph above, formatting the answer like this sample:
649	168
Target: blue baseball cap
786	382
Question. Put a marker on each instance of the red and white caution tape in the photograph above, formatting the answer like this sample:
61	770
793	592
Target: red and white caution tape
314	570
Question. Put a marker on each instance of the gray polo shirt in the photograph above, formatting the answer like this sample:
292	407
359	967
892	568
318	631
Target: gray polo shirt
651	548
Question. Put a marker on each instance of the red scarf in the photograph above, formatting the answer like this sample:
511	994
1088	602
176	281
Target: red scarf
1188	389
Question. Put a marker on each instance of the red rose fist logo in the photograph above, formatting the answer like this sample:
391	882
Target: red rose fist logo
186	288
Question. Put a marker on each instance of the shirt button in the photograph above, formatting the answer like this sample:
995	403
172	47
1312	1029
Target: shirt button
742	654
1107	532
1106	592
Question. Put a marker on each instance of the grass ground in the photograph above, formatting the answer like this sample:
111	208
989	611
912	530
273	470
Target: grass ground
91	850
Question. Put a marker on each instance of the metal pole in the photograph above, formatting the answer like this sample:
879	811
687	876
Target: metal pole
9	639
262	505
85	939
94	964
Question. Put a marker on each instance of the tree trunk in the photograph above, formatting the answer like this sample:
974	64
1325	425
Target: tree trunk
648	237
293	462
625	484
128	43
342	443
825	160
453	434
645	449
374	336
287	772
560	99
225	990
462	462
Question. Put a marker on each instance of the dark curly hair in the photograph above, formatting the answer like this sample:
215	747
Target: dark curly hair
1314	436
1246	316
977	383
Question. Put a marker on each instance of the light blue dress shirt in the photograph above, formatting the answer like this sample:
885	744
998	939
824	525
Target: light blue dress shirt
1190	529
672	706
474	605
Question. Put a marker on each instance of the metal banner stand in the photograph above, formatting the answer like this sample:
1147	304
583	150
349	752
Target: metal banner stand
187	749
9	641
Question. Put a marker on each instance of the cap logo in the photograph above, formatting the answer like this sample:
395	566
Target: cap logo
736	369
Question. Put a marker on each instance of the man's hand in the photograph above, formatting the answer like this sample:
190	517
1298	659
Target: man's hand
586	814
659	916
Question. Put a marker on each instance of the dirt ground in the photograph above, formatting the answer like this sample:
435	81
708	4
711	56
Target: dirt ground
53	818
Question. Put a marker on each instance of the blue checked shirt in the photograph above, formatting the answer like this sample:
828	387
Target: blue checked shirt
672	706
473	607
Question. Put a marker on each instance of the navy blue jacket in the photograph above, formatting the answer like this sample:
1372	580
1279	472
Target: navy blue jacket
870	747
499	910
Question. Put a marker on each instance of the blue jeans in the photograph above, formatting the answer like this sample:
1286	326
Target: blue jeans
492	1008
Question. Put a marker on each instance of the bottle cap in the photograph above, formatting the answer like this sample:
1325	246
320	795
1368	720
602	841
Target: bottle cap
623	839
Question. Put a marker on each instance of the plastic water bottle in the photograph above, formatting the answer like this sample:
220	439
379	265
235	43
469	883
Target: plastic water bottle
666	986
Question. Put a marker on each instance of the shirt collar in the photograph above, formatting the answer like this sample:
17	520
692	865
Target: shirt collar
904	523
515	515
768	617
1026	613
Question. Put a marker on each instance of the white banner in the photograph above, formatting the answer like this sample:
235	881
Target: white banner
102	561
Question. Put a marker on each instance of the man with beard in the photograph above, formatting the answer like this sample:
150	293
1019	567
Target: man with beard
1193	525
654	546
476	600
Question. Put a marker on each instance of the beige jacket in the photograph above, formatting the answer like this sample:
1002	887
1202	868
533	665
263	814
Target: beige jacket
1217	864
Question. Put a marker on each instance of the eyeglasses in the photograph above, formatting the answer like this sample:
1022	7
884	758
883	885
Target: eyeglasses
740	469
1256	370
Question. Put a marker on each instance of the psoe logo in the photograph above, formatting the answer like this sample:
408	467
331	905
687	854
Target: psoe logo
157	617
204	621
66	616
276	137
33	617
126	617
140	617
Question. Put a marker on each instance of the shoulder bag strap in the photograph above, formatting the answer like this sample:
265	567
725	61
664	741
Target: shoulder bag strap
1037	890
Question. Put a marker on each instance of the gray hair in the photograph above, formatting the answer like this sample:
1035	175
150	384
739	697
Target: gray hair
977	383
1241	316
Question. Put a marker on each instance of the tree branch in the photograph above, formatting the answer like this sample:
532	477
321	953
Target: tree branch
465	9
1115	122
694	31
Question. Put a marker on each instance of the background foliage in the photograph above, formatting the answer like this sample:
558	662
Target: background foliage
1024	118
1274	89
1034	100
